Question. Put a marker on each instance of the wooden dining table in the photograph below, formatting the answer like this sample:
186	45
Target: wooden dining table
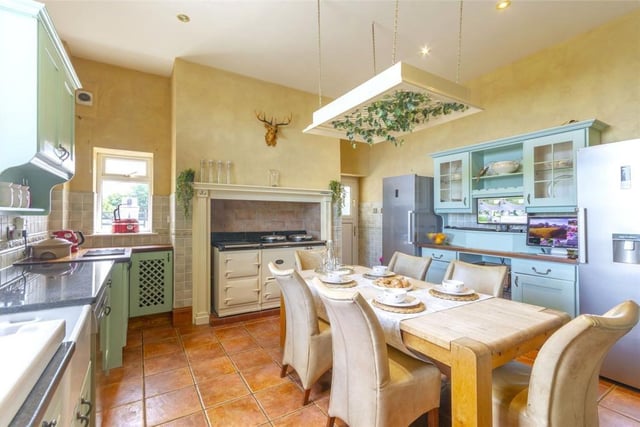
470	340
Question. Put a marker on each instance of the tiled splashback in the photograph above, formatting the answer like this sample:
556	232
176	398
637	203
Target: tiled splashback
251	215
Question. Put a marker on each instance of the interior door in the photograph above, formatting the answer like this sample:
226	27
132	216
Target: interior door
350	221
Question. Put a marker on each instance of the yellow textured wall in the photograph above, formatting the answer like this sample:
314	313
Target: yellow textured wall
354	160
594	75
131	111
215	119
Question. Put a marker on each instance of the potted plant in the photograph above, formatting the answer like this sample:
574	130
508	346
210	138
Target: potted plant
184	189
337	195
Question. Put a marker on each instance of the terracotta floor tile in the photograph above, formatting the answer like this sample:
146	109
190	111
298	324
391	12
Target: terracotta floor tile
243	412
238	344
280	400
624	401
207	369
262	377
190	329
309	416
158	334
221	389
170	345
134	338
204	336
117	394
166	362
126	415
131	370
609	418
275	353
259	328
171	406
198	419
230	332
131	355
209	350
270	339
167	381
251	359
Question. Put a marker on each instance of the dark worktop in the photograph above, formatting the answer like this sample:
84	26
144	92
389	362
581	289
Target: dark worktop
501	254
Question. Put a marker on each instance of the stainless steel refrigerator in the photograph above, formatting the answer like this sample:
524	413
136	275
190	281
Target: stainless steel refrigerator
407	214
609	227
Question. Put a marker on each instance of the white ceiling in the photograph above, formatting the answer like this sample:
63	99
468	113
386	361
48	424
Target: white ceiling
277	40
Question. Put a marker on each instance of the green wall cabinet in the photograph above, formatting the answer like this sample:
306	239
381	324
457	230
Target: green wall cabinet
451	184
151	283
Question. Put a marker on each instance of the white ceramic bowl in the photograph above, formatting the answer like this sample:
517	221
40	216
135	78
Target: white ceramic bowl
506	166
453	285
394	296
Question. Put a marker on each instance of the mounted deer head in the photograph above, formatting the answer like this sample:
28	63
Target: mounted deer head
271	137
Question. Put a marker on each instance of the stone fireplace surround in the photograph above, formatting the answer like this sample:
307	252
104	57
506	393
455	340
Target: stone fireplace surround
202	220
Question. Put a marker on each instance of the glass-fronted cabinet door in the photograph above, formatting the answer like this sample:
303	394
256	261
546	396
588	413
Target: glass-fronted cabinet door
549	169
451	182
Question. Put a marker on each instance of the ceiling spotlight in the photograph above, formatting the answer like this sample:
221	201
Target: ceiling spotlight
503	4
183	17
425	50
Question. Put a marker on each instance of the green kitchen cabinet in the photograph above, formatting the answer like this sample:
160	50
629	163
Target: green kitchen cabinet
113	327
547	284
151	283
452	191
440	260
549	165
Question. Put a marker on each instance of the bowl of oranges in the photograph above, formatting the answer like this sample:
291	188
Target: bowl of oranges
437	238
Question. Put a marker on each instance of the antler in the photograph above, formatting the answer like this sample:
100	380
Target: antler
285	123
263	118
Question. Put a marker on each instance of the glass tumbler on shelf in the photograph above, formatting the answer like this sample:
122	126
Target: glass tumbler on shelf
220	171
203	171
228	171
212	170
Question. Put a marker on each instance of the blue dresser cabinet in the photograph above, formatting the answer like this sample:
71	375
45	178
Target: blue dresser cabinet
440	259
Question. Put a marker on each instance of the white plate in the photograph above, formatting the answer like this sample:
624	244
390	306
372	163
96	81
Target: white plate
465	291
387	274
409	301
341	281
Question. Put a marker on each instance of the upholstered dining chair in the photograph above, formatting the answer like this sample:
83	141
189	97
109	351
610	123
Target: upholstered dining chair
307	346
374	385
562	387
486	279
409	265
309	260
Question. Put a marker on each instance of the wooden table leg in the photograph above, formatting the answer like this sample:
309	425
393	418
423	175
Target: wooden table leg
470	384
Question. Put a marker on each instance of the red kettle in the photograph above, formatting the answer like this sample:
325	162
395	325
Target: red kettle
75	237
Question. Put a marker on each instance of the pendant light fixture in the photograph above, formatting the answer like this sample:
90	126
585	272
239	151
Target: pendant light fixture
399	100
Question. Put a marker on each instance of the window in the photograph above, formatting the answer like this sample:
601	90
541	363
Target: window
124	185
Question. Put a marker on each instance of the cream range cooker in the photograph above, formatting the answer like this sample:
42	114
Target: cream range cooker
240	277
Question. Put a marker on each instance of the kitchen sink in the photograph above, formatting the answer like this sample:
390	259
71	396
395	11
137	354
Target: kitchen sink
104	252
27	349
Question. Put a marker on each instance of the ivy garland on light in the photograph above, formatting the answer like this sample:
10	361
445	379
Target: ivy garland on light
399	112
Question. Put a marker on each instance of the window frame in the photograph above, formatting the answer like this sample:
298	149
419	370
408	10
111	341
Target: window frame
99	159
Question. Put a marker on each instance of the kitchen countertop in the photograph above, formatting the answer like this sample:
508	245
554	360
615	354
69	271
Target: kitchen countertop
41	286
501	254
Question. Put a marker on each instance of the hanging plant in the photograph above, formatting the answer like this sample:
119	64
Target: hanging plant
184	189
337	195
396	113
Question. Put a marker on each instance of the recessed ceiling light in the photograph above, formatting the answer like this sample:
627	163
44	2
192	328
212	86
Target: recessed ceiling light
183	17
503	4
425	50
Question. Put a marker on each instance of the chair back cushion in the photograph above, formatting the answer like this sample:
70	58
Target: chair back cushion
409	265
563	388
360	359
309	260
486	279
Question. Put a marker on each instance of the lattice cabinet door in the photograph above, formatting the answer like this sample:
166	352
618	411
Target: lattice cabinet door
151	283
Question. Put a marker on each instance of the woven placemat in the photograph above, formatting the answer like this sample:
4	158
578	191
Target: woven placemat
403	310
349	284
436	293
374	277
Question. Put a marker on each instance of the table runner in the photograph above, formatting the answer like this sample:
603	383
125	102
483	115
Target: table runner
389	321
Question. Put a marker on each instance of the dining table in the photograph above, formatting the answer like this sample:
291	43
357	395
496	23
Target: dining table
466	338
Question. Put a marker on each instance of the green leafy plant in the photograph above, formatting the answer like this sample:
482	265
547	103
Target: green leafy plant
184	189
400	112
337	194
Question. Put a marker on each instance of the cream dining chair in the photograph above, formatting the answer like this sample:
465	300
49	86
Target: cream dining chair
309	260
562	387
374	385
408	265
486	279
307	346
